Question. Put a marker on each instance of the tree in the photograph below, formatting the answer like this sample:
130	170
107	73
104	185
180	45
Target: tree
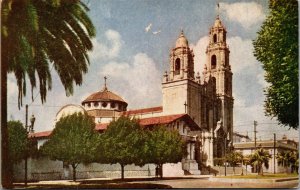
259	158
164	146
73	141
288	159
122	143
283	159
17	141
246	161
294	160
276	47
233	158
30	41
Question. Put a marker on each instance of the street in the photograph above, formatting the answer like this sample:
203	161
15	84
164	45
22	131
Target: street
205	183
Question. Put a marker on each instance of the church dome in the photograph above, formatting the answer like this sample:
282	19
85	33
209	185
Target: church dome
104	95
182	41
104	100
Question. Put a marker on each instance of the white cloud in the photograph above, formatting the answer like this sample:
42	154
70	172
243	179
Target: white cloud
261	80
200	56
139	82
247	14
241	55
108	50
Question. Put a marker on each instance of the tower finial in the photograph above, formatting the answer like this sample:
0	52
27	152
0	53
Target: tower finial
218	13
181	32
105	87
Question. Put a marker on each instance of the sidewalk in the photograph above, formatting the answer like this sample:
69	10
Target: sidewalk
126	179
256	180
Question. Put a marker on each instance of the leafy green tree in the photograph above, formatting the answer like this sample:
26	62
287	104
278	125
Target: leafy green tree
294	160
122	143
259	158
73	141
246	161
17	141
276	47
31	41
287	159
164	146
233	158
283	159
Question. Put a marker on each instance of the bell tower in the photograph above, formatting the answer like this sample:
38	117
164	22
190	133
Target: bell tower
181	60
218	67
181	92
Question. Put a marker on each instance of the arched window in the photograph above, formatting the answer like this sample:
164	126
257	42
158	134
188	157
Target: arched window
177	66
112	105
213	62
104	104
215	38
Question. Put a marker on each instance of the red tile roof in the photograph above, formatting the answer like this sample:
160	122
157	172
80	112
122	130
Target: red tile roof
101	126
160	120
144	122
104	95
40	134
145	110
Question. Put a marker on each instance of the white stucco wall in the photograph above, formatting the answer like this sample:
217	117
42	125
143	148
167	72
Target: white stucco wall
173	170
46	169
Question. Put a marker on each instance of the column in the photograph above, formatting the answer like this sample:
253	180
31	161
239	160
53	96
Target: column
189	151
193	151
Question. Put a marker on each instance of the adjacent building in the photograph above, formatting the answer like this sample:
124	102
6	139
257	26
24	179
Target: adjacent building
271	145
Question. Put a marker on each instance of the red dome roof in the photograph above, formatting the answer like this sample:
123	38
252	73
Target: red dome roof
104	95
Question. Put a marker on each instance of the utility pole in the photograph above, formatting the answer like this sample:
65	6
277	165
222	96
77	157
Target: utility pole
225	155
26	126
255	124
274	151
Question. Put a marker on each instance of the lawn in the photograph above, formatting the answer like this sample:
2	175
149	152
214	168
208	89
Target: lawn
265	176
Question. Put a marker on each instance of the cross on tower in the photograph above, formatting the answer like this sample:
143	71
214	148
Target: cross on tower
185	106
105	88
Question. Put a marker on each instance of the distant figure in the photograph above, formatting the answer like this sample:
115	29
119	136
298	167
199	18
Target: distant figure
156	171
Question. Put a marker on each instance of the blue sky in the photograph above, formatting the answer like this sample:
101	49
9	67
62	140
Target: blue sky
134	59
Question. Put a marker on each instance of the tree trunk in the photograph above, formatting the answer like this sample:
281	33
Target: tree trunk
74	172
261	170
6	165
233	170
156	171
122	171
161	170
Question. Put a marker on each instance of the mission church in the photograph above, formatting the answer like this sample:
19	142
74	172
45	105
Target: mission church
200	108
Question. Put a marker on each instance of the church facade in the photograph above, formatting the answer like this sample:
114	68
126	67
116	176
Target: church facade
199	107
208	99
